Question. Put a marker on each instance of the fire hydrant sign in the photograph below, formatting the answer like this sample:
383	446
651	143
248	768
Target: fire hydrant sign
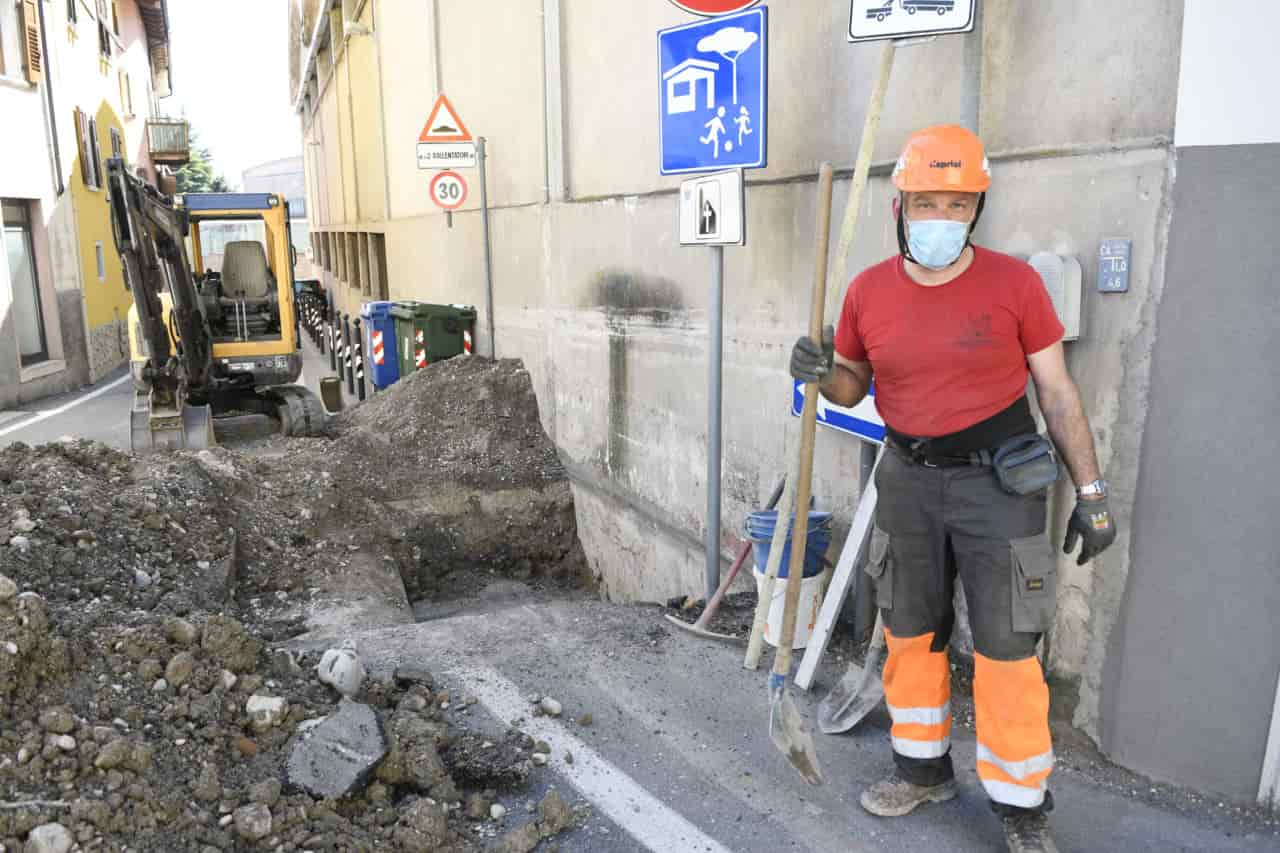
445	142
872	20
448	190
711	94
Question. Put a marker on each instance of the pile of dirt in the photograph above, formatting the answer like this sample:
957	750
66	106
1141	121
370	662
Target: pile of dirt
452	462
144	700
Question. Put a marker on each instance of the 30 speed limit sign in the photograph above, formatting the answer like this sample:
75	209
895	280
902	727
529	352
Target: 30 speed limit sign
448	190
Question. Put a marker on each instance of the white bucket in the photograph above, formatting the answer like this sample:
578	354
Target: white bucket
811	591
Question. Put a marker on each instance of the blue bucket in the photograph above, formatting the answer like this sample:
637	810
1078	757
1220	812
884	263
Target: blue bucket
760	525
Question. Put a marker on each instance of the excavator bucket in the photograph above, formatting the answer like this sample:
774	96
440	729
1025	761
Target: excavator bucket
155	427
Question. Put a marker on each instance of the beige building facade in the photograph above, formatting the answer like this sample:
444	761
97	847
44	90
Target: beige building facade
593	292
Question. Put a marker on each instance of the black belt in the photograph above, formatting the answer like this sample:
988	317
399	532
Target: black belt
917	453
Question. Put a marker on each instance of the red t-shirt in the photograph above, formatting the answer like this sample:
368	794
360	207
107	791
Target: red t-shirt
945	358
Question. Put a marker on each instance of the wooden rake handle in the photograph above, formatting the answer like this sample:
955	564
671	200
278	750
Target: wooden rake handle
808	430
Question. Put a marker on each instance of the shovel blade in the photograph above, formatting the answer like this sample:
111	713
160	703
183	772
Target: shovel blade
857	695
790	734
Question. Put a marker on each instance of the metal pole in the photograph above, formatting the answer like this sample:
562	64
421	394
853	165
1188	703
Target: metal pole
346	353
331	322
481	156
716	322
359	345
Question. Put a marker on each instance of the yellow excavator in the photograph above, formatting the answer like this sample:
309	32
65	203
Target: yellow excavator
212	333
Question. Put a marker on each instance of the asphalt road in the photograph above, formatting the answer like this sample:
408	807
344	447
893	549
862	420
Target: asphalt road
678	757
101	412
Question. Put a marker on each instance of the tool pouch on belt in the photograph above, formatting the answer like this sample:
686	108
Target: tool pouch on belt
1025	464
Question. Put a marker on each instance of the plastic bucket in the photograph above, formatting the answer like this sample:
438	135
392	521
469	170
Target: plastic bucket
811	592
760	525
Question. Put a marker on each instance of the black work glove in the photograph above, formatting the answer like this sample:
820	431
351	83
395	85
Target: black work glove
1092	522
811	362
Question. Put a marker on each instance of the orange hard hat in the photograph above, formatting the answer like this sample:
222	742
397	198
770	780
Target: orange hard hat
943	158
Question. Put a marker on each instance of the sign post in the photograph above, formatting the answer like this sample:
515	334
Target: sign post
712	115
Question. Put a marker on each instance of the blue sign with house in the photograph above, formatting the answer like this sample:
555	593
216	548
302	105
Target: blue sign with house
863	420
712	105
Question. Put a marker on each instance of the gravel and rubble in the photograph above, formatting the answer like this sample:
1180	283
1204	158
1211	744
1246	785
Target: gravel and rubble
144	700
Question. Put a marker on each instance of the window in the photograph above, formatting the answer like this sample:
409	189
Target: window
23	282
115	16
102	261
104	33
72	12
90	158
117	146
126	95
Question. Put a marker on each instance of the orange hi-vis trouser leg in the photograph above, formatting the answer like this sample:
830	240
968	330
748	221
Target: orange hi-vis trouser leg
1015	754
917	688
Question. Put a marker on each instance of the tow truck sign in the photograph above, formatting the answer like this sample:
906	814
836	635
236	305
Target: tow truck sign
872	20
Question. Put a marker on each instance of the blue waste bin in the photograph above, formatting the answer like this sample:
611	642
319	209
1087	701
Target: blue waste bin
380	343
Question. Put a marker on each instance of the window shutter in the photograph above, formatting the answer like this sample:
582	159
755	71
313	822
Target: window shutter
32	47
96	155
86	154
72	14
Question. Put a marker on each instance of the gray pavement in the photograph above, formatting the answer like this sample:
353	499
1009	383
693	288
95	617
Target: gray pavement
678	719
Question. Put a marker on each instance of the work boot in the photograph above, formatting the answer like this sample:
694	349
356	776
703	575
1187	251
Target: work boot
1028	833
895	797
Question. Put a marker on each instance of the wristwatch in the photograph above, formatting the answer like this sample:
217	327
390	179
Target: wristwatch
1096	489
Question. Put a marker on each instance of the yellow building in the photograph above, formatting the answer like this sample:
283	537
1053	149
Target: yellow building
91	77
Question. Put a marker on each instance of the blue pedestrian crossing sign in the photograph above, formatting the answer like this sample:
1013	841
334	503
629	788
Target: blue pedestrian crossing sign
712	103
863	420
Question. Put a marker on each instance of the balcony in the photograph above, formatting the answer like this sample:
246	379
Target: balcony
169	142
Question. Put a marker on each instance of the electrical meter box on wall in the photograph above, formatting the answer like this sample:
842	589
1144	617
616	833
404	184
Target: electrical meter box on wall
1063	277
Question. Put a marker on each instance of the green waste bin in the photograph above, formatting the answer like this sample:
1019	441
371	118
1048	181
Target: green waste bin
427	333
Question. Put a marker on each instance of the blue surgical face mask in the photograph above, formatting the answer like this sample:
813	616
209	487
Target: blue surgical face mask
936	243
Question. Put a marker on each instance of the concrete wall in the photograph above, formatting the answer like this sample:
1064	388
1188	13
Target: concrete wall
610	315
1191	668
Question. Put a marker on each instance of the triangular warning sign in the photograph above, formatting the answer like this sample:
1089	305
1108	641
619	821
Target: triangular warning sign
444	124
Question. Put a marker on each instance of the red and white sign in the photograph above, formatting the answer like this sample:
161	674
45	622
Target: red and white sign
379	354
444	124
420	358
448	190
713	8
420	337
466	341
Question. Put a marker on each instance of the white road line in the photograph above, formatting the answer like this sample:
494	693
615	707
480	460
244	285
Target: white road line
646	818
97	392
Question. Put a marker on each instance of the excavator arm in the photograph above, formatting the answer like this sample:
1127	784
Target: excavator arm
149	234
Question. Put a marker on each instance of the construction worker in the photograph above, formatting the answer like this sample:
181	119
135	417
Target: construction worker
950	332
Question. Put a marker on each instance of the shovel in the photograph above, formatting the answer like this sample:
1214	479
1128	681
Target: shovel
858	692
787	728
700	628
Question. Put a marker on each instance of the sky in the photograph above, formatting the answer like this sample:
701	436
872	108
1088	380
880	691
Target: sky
231	80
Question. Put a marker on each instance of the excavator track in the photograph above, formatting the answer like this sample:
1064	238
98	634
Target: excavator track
301	413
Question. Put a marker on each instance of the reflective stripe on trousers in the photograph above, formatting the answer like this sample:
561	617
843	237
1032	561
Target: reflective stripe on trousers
917	687
1015	751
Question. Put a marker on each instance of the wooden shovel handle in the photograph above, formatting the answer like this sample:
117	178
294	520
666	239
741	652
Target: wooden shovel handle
808	429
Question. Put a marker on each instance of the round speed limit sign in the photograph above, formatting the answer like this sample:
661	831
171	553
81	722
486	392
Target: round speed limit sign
448	190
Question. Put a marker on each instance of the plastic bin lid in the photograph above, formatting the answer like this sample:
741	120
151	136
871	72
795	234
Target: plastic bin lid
409	310
376	309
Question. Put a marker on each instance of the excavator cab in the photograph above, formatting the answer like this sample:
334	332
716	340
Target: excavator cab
238	279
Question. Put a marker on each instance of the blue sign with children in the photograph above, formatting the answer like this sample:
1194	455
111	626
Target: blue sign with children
712	104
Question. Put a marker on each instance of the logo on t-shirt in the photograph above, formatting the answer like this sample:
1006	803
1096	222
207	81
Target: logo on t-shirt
978	333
